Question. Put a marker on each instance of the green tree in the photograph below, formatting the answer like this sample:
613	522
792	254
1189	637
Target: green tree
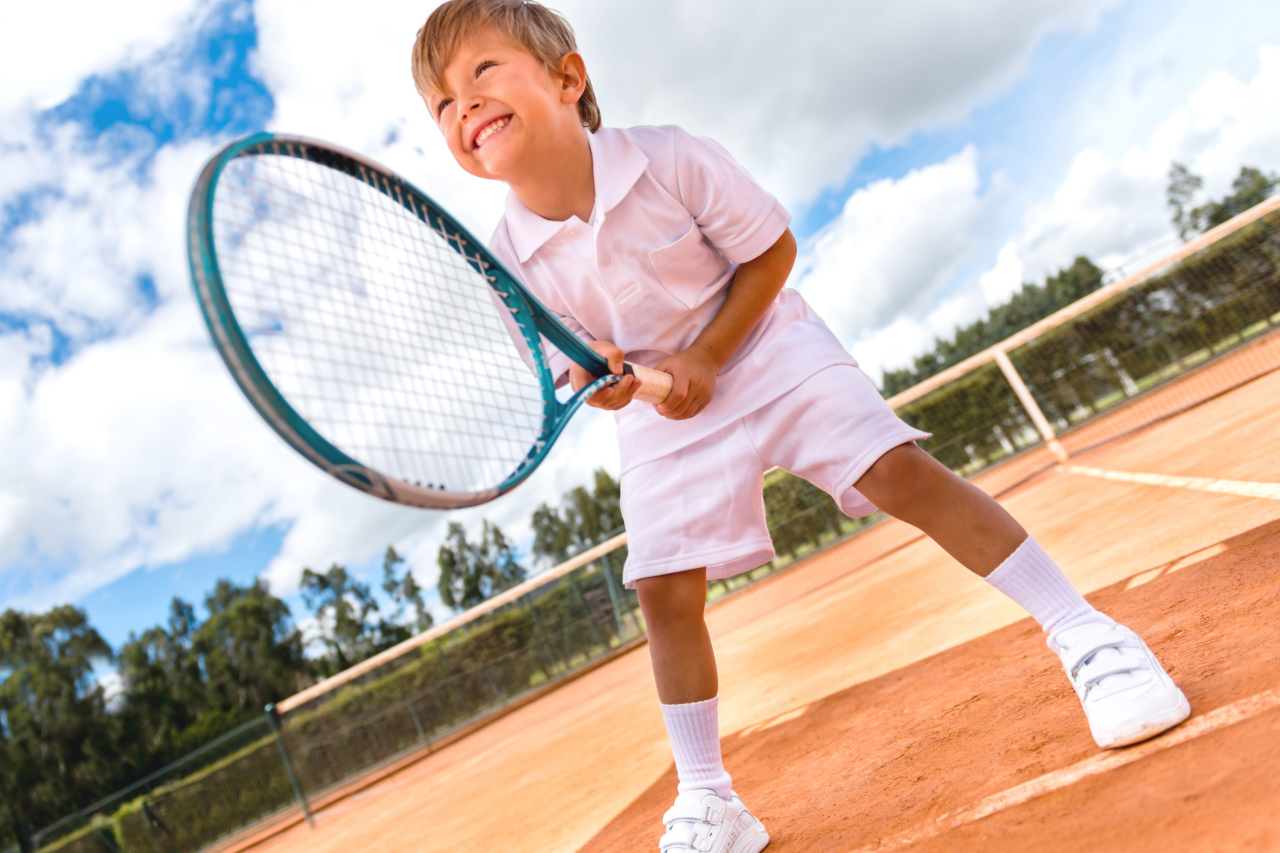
250	651
164	689
57	741
1033	302
1251	187
1181	193
471	572
404	591
342	605
583	519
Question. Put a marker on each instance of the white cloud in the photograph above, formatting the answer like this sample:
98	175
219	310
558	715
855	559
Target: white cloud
1110	207
884	273
1005	278
893	247
798	94
47	49
796	101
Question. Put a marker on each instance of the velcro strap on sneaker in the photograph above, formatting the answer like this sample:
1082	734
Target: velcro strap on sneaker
687	811
1096	670
678	839
1074	656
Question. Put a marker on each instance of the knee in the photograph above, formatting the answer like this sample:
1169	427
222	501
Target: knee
900	477
673	599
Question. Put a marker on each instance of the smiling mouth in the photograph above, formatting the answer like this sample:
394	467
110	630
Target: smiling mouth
489	130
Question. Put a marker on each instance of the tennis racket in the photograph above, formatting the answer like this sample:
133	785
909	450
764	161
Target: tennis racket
374	333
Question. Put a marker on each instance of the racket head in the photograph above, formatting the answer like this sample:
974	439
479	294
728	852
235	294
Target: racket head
325	279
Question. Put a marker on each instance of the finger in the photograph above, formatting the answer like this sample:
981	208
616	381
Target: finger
687	406
604	397
679	392
618	394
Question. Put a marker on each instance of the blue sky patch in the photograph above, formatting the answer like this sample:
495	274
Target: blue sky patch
202	87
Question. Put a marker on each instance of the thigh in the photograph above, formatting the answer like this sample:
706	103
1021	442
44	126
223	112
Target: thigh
830	430
698	507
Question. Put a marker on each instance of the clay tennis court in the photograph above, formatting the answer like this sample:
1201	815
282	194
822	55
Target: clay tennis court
901	704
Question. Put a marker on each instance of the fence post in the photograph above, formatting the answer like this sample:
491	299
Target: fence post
493	685
26	843
273	717
542	635
1029	403
595	629
108	843
155	823
413	714
614	597
151	827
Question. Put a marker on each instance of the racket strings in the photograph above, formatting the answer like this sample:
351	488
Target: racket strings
374	328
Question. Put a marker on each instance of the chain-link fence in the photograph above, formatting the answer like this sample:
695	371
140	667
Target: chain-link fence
228	784
1151	334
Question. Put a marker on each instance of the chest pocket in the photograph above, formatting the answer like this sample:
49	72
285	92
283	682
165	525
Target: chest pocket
687	266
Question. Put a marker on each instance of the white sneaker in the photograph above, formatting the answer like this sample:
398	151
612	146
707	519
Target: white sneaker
1127	695
700	821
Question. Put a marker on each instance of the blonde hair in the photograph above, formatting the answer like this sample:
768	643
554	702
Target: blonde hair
539	30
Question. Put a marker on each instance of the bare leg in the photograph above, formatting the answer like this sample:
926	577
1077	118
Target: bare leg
911	485
684	665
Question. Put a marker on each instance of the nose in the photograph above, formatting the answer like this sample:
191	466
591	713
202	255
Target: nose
475	105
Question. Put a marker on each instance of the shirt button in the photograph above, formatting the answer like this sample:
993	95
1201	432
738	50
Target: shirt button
573	232
604	260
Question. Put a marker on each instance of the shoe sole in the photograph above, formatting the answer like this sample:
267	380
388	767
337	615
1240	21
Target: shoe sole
1148	728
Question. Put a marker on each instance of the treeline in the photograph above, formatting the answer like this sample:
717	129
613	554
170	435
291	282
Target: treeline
1036	301
66	742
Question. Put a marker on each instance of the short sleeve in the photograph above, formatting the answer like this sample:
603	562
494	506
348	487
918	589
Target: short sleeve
733	211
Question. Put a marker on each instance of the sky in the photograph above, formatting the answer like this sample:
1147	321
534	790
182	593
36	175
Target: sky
934	155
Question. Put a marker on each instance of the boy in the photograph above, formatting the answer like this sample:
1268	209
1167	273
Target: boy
656	245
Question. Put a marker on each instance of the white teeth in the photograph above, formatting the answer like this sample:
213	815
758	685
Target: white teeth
490	131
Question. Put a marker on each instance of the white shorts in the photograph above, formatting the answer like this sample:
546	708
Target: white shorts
703	505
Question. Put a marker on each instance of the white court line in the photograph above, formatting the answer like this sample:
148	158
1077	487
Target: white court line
1203	484
1218	718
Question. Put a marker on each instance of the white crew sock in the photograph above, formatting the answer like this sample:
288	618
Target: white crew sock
694	730
1030	577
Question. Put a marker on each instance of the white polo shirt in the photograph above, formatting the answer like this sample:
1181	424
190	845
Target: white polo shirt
674	216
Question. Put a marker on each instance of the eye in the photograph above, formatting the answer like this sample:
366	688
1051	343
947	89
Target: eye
444	102
488	63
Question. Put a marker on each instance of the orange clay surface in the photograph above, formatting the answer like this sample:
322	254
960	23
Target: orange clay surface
864	705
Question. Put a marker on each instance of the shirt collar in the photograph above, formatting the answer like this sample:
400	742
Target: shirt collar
616	164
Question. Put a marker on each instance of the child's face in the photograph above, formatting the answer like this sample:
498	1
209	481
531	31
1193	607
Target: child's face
499	107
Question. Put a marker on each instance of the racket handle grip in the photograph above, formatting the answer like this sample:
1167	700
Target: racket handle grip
655	386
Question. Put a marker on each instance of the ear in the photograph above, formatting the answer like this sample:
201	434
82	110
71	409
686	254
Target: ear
573	77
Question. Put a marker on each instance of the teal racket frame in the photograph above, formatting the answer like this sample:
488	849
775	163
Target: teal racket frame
529	315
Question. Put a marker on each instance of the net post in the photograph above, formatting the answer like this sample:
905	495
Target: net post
273	717
1029	403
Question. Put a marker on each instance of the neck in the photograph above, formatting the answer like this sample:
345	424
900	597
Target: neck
562	185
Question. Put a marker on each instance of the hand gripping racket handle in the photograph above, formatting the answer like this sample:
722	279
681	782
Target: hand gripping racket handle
655	386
